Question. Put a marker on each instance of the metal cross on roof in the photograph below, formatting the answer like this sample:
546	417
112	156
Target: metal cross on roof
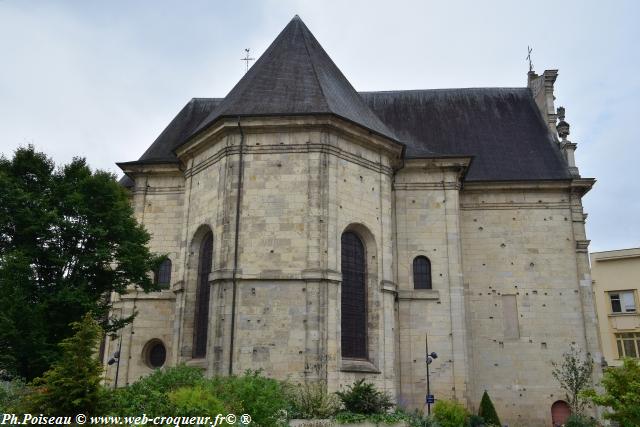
529	50
247	59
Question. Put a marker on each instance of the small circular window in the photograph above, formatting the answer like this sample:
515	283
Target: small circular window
155	354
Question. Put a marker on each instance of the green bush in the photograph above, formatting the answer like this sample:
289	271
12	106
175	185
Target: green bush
265	399
487	411
312	401
450	414
363	398
476	421
580	421
149	395
196	401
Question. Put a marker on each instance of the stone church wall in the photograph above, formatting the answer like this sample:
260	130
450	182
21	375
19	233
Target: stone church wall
523	302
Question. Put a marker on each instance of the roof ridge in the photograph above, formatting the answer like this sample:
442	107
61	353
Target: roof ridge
313	66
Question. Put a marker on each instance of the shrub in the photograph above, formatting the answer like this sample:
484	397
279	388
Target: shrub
487	411
476	421
149	395
363	398
196	401
450	414
265	399
312	401
580	421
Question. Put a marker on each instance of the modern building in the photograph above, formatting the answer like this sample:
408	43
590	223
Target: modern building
321	234
616	284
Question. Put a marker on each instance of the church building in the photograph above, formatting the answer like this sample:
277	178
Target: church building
323	234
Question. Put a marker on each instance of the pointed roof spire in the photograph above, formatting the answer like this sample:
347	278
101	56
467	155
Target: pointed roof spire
295	76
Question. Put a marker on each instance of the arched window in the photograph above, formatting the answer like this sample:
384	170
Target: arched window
421	273
201	323
354	297
162	275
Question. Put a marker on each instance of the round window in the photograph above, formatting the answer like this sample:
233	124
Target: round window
156	354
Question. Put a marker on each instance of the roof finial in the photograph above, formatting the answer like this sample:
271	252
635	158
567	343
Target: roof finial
529	50
562	126
247	59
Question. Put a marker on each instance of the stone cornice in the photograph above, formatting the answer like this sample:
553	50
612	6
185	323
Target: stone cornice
277	124
230	150
134	169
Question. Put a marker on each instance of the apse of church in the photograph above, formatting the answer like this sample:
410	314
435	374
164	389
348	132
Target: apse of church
320	234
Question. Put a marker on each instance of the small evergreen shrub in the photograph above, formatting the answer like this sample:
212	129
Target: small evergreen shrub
312	401
363	398
450	414
487	411
73	384
580	421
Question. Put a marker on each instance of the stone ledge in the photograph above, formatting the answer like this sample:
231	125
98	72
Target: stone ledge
419	294
164	294
358	365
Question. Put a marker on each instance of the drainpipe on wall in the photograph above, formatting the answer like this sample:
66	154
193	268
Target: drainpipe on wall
235	250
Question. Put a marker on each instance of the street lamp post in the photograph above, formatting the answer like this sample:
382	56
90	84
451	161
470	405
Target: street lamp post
430	357
116	359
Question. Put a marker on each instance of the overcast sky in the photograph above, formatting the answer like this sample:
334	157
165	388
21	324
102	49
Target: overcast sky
103	79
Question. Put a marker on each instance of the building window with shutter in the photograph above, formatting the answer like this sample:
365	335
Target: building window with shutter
421	273
354	297
201	323
162	276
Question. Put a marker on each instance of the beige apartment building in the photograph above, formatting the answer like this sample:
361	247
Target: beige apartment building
616	283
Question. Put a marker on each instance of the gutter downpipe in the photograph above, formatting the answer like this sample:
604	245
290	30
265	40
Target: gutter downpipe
236	248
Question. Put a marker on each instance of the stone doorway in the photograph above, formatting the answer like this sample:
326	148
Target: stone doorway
560	412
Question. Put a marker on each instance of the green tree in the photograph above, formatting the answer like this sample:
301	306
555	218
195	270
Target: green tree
487	411
622	393
72	385
67	240
574	376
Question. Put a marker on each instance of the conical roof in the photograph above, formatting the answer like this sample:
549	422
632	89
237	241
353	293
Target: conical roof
295	76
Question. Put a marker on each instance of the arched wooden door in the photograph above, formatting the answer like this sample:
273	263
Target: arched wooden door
560	412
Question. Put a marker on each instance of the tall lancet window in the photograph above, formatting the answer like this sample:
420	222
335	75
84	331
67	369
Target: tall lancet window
354	297
201	323
421	273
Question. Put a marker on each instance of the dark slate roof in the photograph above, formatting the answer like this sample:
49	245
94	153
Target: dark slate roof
501	127
295	76
177	132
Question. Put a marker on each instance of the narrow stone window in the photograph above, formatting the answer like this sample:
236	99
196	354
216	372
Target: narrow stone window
354	297
201	323
162	275
421	273
510	317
